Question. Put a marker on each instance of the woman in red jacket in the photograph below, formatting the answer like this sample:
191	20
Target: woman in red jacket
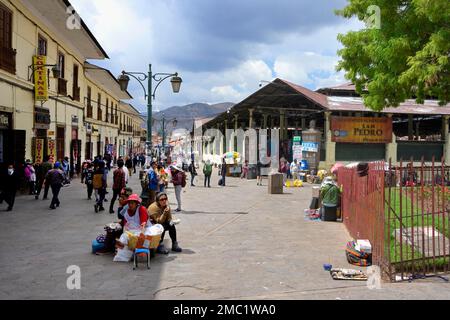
135	216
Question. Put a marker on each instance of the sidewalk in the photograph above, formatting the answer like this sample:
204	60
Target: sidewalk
238	242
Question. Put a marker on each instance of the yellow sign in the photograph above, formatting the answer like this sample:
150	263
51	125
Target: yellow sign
39	158
40	78
361	129
51	149
51	133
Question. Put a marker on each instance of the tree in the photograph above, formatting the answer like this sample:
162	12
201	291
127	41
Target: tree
406	56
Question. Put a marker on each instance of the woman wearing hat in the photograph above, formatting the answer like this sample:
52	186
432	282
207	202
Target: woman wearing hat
160	213
134	215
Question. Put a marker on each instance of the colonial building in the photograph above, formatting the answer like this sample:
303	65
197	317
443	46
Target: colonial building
130	132
52	102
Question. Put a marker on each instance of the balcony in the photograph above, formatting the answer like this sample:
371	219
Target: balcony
62	86
8	59
76	93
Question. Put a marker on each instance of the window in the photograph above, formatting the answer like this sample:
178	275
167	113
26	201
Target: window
107	110
42	46
61	65
89	102
99	107
75	88
7	53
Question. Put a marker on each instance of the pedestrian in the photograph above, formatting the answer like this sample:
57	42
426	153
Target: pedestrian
10	184
46	167
99	182
66	169
55	178
153	182
223	171
207	171
162	178
193	172
129	165
30	176
258	174
295	169
284	169
135	162
119	183
159	213
244	174
179	182
39	170
89	179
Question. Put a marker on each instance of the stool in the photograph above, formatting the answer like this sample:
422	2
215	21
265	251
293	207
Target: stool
141	252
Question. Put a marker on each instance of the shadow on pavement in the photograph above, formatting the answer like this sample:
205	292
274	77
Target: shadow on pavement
203	212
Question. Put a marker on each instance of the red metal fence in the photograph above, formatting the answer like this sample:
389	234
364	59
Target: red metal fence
404	212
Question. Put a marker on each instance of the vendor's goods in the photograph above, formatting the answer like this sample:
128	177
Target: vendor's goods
328	213
348	274
314	203
101	238
133	238
174	222
356	257
97	246
123	255
363	246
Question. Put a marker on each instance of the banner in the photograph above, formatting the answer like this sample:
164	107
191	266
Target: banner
40	78
39	154
361	130
51	150
310	146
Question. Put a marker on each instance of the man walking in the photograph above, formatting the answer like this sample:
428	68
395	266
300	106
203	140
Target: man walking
193	173
9	187
119	183
55	179
46	167
223	172
207	171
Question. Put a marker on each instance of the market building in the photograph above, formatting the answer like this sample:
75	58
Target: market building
131	133
52	102
334	125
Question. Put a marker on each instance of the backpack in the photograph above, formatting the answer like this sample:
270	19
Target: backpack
183	180
98	181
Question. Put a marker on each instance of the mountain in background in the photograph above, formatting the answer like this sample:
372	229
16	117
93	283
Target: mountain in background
186	115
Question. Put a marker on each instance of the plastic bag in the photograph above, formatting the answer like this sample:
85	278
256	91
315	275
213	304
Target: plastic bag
155	230
133	238
123	255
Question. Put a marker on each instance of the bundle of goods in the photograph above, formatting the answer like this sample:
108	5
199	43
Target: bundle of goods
106	242
147	238
295	184
312	215
359	253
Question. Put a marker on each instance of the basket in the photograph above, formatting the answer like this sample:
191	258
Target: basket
148	242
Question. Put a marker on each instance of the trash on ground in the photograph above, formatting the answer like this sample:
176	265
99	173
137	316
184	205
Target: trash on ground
357	257
348	274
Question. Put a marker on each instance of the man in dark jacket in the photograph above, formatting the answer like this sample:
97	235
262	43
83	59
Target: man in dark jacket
55	179
223	172
118	184
9	187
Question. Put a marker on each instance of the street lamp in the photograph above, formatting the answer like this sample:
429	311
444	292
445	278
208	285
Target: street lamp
124	79
174	122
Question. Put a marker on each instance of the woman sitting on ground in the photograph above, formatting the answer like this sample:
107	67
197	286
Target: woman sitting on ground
160	213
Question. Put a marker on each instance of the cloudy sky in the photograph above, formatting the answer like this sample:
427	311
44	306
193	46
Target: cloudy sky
221	48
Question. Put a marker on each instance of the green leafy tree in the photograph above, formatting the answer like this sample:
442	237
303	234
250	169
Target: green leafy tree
406	55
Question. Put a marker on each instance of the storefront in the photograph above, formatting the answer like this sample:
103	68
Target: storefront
12	142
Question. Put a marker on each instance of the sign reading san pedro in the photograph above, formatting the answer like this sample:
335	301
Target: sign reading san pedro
361	129
40	78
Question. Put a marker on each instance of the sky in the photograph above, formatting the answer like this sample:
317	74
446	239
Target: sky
222	49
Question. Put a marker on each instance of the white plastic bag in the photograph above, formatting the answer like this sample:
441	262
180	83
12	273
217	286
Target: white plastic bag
155	230
123	255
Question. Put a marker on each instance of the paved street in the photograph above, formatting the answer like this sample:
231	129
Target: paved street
239	243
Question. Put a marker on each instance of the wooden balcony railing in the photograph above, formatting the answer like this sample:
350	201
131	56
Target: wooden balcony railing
62	86
8	59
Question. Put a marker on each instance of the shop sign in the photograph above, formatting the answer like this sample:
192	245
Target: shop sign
361	130
51	133
51	149
75	120
40	78
39	154
5	120
41	118
297	149
310	146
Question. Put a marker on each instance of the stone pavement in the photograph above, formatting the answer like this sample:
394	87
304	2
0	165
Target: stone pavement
239	243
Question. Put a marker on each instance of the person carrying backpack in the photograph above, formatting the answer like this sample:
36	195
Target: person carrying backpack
207	171
55	178
179	182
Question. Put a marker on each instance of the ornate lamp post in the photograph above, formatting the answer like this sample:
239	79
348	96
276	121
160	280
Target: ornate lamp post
124	79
